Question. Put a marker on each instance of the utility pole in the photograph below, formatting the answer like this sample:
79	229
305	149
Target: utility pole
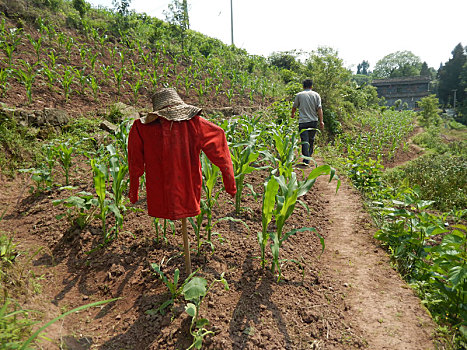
455	97
231	21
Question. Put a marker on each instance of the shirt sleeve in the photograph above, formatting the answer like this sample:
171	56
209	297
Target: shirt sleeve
318	102
214	145
296	102
135	160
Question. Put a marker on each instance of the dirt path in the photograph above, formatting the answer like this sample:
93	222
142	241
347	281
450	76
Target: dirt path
388	312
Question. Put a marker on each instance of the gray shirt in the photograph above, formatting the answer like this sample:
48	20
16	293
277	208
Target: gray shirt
307	102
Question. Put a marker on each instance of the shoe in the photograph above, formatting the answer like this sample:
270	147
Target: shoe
302	165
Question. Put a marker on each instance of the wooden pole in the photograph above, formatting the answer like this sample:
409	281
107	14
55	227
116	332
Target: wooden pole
186	247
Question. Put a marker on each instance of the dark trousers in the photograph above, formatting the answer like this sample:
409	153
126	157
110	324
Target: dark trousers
307	136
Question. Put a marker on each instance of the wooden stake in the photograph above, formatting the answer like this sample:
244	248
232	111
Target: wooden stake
186	247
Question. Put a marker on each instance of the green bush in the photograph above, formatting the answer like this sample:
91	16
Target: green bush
442	178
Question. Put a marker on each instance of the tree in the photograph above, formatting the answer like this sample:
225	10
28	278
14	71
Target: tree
330	80
429	111
450	79
177	16
362	68
285	60
122	23
81	7
398	64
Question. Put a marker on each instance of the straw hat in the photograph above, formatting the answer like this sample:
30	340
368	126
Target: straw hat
167	104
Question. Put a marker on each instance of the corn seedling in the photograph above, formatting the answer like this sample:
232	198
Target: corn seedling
67	80
37	45
9	45
64	152
100	175
210	175
118	75
162	227
26	77
243	154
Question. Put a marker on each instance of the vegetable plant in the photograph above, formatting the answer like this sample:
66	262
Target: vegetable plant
194	292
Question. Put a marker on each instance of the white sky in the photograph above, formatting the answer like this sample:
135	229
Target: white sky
359	29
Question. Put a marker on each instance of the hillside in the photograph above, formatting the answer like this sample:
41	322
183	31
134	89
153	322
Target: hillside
70	237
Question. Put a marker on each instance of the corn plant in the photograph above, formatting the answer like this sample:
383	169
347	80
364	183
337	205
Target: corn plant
82	79
135	89
100	175
95	87
70	42
118	170
4	75
210	175
196	223
50	74
67	80
26	77
154	78
11	42
65	152
243	154
279	200
37	45
194	292
118	75
162	227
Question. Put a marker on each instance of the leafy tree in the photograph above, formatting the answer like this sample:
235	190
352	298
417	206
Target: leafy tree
362	68
329	75
122	23
330	80
177	16
398	64
450	78
81	6
285	60
429	111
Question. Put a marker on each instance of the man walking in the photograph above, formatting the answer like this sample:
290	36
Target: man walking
308	103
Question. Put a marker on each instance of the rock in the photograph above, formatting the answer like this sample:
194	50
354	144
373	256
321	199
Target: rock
125	110
108	126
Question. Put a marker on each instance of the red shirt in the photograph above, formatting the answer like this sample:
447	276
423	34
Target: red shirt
168	151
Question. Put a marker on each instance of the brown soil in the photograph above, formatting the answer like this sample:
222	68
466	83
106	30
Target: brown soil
348	298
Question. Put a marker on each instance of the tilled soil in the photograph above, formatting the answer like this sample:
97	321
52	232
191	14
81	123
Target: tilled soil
346	298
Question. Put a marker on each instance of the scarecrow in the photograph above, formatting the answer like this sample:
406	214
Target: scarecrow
166	145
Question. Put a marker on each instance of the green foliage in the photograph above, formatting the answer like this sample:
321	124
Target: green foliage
429	114
442	178
14	325
194	292
280	196
364	172
81	6
329	76
452	76
397	64
430	253
175	290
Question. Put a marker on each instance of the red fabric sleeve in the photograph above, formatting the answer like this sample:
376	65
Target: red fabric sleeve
135	160
214	145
